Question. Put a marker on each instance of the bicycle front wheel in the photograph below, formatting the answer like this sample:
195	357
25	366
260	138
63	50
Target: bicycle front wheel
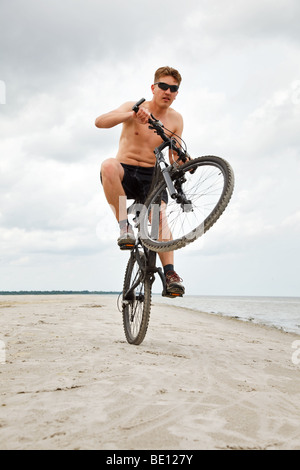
205	186
136	303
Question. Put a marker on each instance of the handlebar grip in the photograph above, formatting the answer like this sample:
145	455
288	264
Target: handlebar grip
135	108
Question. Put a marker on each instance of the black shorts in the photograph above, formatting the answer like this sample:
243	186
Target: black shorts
137	181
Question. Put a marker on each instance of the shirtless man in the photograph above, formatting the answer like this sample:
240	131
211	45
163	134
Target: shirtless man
130	173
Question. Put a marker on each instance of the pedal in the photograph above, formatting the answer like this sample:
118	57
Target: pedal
126	246
171	295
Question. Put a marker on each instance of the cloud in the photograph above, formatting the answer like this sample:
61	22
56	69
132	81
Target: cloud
257	20
66	62
275	124
44	41
2	92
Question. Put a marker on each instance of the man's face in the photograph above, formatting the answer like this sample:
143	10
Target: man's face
164	98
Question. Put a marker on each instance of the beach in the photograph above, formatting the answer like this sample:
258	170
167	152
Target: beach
69	380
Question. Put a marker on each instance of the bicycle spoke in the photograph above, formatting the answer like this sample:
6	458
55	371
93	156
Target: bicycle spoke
136	300
201	198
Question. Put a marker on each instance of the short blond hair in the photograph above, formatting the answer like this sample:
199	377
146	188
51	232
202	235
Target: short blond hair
167	71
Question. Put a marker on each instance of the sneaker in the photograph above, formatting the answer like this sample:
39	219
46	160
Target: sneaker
126	240
174	284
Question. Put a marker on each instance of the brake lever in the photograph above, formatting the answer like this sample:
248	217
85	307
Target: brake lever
156	121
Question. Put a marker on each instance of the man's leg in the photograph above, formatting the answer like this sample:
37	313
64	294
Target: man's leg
112	174
167	258
173	281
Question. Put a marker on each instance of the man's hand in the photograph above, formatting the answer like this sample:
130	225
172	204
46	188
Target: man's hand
142	116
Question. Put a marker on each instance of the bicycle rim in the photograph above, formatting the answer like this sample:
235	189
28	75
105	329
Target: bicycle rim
207	183
136	301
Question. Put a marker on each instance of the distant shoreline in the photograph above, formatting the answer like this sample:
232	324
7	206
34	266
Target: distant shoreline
57	292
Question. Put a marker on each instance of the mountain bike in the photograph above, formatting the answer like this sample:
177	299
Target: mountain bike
197	192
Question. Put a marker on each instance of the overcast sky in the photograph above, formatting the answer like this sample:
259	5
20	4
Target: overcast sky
64	62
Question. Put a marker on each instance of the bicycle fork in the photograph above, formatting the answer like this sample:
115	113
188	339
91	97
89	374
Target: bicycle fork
175	193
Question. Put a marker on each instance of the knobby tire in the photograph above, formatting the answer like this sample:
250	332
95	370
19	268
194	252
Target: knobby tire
136	309
192	170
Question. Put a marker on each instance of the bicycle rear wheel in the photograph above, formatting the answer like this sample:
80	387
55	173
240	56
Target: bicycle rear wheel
136	303
206	184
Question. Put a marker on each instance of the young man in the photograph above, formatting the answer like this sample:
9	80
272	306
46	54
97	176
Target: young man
130	173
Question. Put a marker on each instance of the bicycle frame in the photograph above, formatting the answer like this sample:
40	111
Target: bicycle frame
165	168
146	269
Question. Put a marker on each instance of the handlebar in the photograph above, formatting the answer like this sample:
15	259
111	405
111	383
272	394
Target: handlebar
158	127
135	108
152	120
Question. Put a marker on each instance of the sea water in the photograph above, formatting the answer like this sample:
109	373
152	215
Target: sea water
279	312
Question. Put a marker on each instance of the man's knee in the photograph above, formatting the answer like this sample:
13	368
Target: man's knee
110	170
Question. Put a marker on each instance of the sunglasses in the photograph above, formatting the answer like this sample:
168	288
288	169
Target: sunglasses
165	87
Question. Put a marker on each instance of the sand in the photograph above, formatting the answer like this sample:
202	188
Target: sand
198	381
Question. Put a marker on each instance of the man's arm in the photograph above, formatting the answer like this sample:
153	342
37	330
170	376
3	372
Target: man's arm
115	117
122	114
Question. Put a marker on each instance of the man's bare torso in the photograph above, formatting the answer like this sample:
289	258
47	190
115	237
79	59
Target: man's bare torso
137	141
